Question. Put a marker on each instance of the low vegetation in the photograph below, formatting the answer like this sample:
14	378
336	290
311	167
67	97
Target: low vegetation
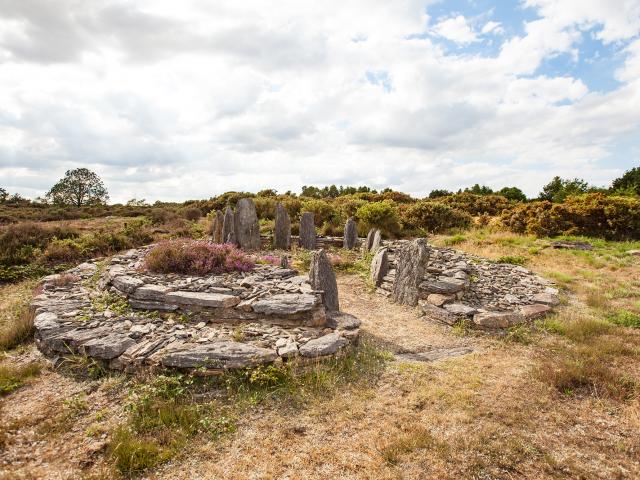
193	257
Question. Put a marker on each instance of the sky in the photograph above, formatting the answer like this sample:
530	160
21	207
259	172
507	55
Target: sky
170	100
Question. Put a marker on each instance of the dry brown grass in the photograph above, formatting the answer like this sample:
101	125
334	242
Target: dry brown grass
16	320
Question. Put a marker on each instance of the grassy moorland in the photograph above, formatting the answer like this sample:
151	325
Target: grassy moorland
555	399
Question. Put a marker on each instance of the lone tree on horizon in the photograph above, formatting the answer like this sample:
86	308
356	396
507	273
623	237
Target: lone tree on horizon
79	187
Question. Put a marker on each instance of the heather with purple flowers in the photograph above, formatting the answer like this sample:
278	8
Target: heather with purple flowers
269	260
196	257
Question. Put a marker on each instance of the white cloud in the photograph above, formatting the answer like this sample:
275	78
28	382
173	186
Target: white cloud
493	27
455	29
176	100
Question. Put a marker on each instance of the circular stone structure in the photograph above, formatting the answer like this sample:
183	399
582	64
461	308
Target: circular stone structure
127	318
451	286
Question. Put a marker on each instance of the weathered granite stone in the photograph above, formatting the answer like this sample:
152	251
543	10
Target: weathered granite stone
439	314
288	350
350	234
223	355
247	228
285	304
282	229
444	288
342	321
154	293
126	283
151	305
377	241
495	320
307	236
217	227
203	299
411	263
369	240
546	298
326	345
379	266
439	299
228	226
321	277
460	309
535	310
107	347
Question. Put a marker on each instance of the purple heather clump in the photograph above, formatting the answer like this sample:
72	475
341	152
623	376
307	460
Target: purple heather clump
196	257
270	259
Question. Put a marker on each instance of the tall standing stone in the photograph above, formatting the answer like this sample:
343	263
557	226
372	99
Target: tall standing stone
247	228
350	234
218	222
369	240
411	264
282	231
377	241
307	231
321	277
379	266
228	226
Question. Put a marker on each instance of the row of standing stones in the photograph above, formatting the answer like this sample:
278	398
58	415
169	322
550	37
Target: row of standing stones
242	228
209	323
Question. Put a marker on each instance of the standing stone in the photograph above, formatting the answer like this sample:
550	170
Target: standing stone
350	234
369	241
228	227
247	228
218	221
321	277
307	231
411	263
379	266
282	232
377	241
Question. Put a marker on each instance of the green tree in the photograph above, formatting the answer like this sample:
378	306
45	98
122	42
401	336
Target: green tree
478	189
79	187
267	192
558	189
3	195
437	193
513	193
627	183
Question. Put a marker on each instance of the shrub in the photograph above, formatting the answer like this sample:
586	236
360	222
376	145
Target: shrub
63	251
591	214
196	257
477	204
435	217
192	214
322	210
20	243
382	215
266	207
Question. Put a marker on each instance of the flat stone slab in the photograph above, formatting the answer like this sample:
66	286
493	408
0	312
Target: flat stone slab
203	299
285	304
327	345
226	355
496	320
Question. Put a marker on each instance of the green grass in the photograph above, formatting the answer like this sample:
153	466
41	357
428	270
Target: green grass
576	329
16	319
454	240
13	377
512	259
624	318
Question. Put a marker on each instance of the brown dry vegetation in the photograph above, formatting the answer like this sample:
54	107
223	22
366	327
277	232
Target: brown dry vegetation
557	400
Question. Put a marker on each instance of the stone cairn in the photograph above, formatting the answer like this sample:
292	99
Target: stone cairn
212	322
350	234
307	231
451	286
282	230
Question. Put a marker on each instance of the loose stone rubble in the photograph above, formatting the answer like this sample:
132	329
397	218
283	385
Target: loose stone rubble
127	318
452	286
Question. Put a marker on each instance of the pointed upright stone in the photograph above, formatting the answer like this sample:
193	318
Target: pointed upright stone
218	222
228	226
379	266
411	265
282	231
377	241
321	277
369	241
247	227
350	234
307	231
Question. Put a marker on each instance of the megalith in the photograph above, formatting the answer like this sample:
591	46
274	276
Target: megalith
218	221
379	266
307	231
350	234
321	277
228	226
377	241
369	241
282	231
247	228
411	264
